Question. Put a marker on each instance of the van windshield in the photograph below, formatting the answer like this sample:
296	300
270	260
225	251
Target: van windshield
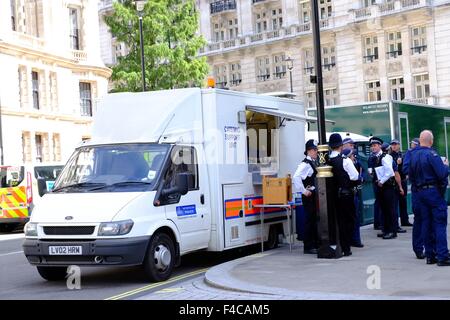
112	168
11	176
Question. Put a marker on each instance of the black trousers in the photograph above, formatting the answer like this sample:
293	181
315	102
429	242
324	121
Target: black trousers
311	236
388	208
346	216
402	204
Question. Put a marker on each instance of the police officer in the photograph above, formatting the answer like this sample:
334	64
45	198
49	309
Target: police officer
429	175
305	182
402	198
386	148
345	178
417	239
356	236
373	158
383	175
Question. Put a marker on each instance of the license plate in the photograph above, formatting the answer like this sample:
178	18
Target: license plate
65	250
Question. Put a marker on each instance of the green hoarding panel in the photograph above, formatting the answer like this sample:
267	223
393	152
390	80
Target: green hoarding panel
368	119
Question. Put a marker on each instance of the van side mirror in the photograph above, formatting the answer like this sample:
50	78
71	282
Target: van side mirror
42	186
181	185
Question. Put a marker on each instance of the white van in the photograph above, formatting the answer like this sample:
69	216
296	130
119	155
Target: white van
21	188
167	173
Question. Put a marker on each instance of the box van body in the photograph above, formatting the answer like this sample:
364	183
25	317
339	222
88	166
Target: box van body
167	173
21	188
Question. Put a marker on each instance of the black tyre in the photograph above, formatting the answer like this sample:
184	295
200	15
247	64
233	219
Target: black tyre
53	273
160	258
272	241
8	227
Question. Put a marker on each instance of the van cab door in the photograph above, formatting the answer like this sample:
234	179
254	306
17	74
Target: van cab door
191	214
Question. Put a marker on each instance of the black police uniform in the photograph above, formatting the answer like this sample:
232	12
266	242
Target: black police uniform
386	200
311	239
402	200
345	202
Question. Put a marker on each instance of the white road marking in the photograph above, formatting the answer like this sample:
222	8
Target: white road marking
5	237
10	253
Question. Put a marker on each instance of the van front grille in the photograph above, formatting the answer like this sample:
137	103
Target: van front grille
69	231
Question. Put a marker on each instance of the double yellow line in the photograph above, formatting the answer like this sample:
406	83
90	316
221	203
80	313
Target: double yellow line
156	285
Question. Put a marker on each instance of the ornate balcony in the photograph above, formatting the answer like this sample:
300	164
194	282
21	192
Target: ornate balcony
223	5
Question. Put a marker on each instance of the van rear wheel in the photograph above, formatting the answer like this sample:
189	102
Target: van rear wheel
160	259
52	273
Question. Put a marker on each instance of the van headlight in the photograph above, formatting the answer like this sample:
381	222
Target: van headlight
31	229
118	228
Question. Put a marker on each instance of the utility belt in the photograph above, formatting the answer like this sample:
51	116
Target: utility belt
426	186
390	183
345	192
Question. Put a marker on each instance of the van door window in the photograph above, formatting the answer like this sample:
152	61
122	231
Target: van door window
11	176
184	159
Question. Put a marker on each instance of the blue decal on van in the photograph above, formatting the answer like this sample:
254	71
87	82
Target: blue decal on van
189	210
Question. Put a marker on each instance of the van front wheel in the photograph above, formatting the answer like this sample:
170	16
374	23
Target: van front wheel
160	258
52	273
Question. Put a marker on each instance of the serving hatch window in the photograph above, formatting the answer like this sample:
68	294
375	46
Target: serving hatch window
262	142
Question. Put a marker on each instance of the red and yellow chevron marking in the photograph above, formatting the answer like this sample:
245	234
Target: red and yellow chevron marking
232	208
13	202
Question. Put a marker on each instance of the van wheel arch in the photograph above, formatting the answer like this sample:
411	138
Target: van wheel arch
168	231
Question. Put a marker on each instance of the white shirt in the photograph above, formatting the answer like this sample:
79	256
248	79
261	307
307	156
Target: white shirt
349	166
388	171
303	171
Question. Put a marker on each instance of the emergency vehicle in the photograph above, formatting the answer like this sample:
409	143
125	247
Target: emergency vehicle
21	187
167	173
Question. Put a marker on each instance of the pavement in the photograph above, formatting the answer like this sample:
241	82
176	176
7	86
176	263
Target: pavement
382	270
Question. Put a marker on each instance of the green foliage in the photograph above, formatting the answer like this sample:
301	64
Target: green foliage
171	45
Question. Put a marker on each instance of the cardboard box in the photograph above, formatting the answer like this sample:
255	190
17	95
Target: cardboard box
277	190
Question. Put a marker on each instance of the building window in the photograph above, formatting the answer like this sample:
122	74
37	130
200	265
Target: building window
233	29
279	66
305	12
38	143
74	29
35	87
422	86
261	22
219	32
328	57
331	97
235	74
368	3
308	61
277	18
263	68
397	89
13	15
394	44
221	76
310	100
326	9
418	40
85	99
373	91
370	49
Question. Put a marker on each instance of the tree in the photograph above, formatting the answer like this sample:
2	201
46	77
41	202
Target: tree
171	45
